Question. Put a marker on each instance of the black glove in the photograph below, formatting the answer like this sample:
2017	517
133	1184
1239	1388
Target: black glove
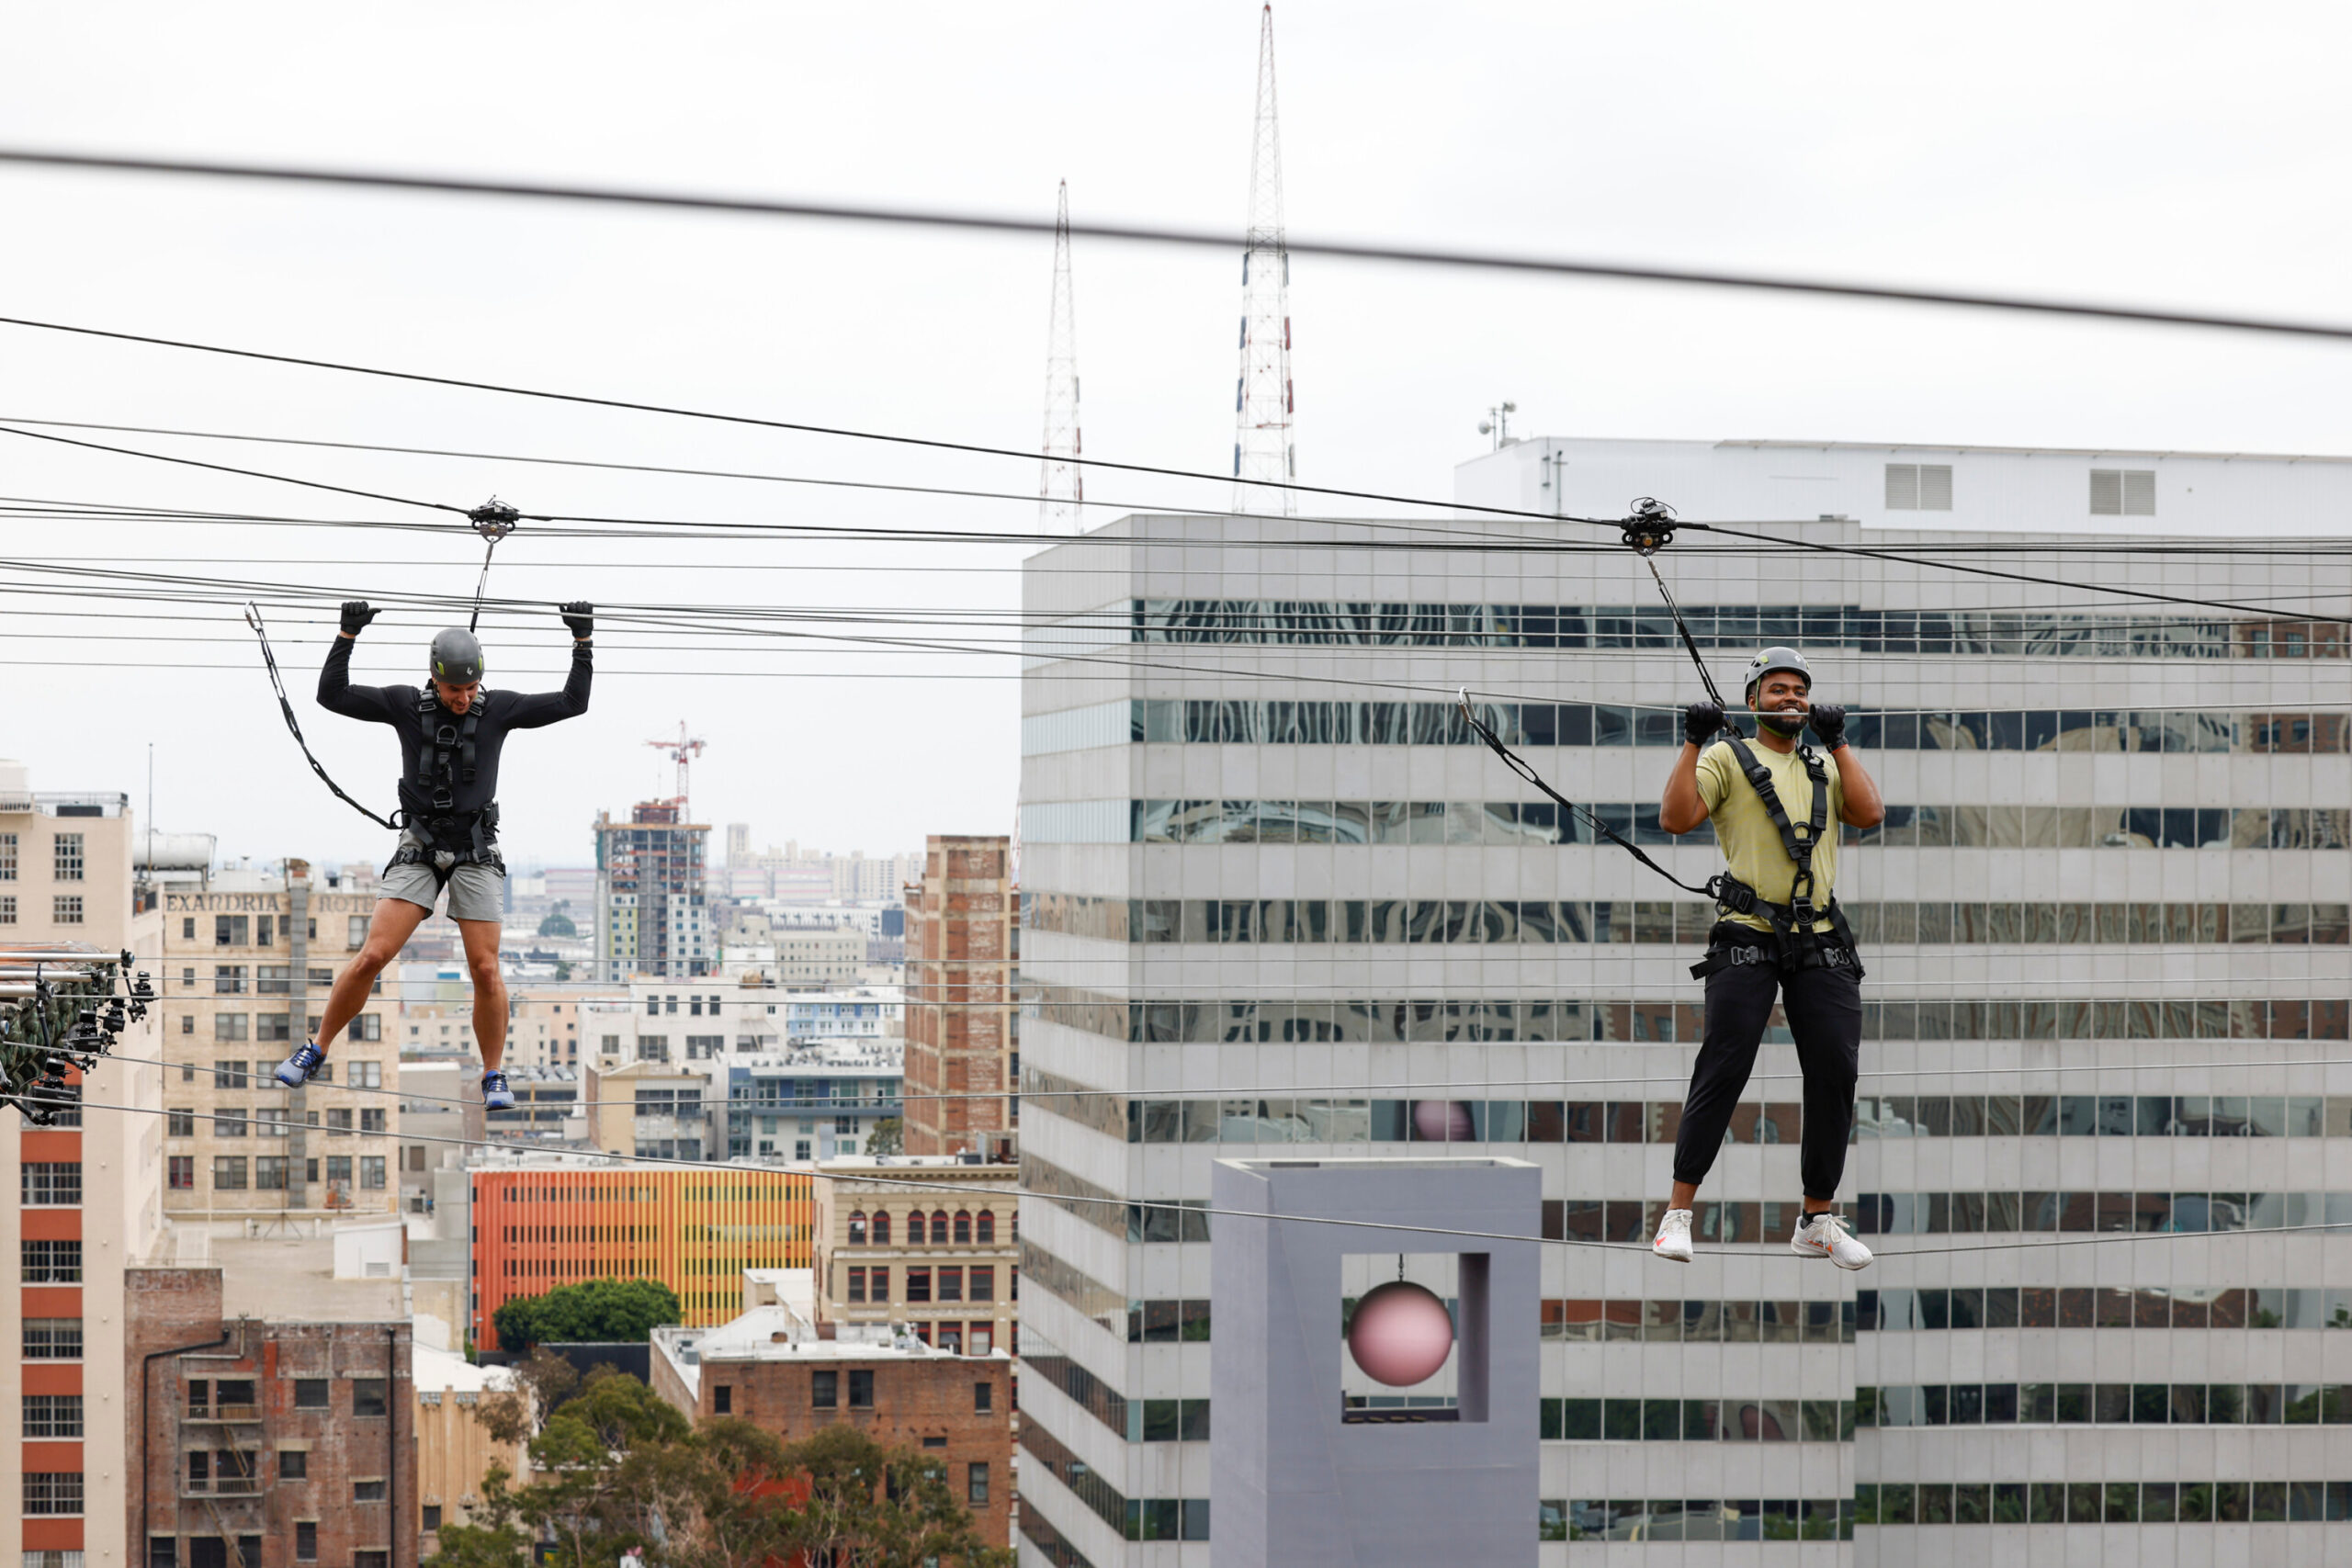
355	616
1828	721
580	617
1701	722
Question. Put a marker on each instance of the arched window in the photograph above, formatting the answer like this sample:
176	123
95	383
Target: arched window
988	1226
881	1227
939	1227
914	1228
963	1227
857	1227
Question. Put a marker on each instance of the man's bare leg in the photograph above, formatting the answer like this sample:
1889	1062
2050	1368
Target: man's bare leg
489	990
394	922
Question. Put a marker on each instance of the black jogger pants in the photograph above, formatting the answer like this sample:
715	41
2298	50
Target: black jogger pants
1824	1007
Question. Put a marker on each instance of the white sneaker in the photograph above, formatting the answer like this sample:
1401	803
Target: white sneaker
1825	1236
1673	1241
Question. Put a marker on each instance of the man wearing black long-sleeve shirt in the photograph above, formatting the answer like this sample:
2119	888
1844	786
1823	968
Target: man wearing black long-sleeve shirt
451	732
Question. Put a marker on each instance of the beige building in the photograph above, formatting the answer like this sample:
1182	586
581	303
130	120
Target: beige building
453	1452
818	960
926	1242
86	1198
647	1110
248	957
545	1024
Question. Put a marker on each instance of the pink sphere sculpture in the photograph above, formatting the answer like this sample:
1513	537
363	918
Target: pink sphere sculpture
1400	1335
1441	1121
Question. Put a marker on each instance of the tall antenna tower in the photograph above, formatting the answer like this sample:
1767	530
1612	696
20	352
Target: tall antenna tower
1262	401
1062	485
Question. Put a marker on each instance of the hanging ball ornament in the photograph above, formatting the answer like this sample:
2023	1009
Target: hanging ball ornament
1400	1334
1441	1122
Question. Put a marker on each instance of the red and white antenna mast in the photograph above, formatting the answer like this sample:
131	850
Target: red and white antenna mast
1062	485
681	751
1262	448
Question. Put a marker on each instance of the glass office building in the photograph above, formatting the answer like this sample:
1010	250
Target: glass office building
1278	897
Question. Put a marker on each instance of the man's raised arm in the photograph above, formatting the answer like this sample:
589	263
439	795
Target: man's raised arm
336	694
548	707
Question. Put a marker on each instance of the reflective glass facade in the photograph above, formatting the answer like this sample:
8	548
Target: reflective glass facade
1275	895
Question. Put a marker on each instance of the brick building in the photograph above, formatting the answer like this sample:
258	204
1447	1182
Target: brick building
942	1263
542	1220
255	1443
82	1197
248	958
771	1366
963	1021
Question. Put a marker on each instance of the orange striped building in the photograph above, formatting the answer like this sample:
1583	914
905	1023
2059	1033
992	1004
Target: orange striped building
552	1222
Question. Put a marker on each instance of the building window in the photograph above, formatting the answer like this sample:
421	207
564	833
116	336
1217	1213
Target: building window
2124	492
53	1339
915	1228
230	931
52	1262
269	1173
228	1122
1918	487
53	1558
918	1284
368	1029
52	1415
52	1492
371	1559
66	910
311	1394
228	979
951	1284
187	1026
432	1517
293	1464
857	1227
51	1184
371	1119
180	1173
7	909
230	1026
861	1389
983	1398
857	1285
986	1228
68	862
722	1400
231	1074
306	1532
339	1170
983	1337
877	1284
371	1173
367	1397
227	1173
274	1026
339	1123
983	1282
824	1388
882	1227
976	1484
963	1228
366	1491
179	1123
7	857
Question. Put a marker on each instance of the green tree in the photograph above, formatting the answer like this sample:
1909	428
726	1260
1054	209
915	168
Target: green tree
493	1537
881	1507
610	1311
887	1137
558	923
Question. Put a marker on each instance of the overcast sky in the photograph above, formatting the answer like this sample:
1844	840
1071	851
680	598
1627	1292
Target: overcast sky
2159	153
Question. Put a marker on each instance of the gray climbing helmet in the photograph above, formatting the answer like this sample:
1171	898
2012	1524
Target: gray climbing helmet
1773	658
456	657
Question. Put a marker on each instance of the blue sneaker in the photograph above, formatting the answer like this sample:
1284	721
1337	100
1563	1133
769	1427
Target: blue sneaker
296	1070
495	1095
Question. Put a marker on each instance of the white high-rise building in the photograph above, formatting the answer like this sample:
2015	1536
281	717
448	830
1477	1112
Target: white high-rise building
2109	903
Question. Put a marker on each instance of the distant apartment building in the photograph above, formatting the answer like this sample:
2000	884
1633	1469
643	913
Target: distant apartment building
816	1101
542	1220
771	1367
247	960
650	911
260	1440
963	1016
647	1110
931	1244
818	960
454	1450
85	1195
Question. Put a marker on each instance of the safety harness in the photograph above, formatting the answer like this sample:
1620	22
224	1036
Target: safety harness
1795	943
449	837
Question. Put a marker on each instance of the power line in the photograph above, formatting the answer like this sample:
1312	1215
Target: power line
1123	541
1064	1200
1220	241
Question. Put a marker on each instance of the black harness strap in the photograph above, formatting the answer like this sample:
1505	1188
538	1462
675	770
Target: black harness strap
1796	944
269	660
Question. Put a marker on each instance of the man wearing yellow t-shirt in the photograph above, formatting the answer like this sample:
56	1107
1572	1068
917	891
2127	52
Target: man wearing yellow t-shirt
1779	933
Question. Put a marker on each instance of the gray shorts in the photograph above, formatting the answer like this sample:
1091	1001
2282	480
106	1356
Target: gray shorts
476	892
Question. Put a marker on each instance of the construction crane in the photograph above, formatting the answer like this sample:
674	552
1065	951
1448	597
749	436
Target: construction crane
681	751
